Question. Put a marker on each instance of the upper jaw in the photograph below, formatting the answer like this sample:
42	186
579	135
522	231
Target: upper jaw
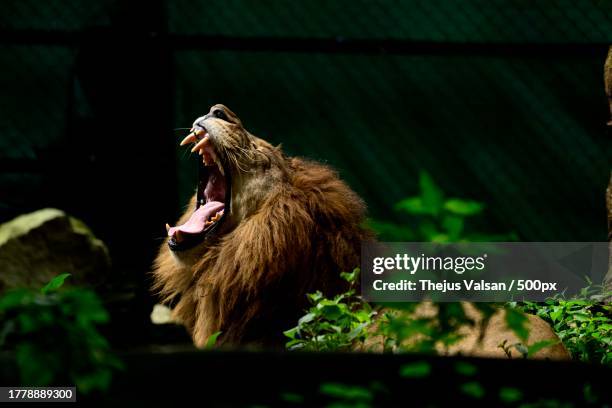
204	146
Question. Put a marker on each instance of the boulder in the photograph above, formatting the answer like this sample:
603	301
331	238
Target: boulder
495	333
38	246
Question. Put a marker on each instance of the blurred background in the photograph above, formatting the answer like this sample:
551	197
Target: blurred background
500	101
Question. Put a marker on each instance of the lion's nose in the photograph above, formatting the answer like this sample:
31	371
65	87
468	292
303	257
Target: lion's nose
199	123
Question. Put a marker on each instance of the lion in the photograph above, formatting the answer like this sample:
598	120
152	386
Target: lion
262	230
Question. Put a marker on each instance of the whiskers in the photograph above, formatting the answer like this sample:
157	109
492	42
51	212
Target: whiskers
242	158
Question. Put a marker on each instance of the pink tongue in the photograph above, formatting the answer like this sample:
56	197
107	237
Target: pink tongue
196	223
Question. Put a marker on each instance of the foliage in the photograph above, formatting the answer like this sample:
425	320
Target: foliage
584	326
469	386
583	323
54	335
332	324
433	217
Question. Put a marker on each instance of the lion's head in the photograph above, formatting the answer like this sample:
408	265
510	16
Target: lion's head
261	231
236	171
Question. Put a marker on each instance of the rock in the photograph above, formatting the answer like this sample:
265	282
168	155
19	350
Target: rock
38	246
495	333
161	314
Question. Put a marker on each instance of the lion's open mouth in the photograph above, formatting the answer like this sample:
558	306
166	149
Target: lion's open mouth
212	197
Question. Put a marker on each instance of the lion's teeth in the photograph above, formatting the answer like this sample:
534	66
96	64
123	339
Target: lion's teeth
191	138
200	145
167	227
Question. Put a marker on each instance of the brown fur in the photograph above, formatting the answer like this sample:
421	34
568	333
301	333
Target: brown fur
293	226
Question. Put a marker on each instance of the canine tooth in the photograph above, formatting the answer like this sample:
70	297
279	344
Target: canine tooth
199	132
191	138
167	227
200	144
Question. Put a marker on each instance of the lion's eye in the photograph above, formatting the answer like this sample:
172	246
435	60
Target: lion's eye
218	113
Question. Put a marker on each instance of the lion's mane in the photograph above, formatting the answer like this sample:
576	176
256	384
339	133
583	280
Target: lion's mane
251	284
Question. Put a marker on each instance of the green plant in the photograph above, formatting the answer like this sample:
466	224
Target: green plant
344	322
433	217
584	326
53	334
332	324
584	323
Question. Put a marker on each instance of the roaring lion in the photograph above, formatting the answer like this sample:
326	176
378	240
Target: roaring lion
261	232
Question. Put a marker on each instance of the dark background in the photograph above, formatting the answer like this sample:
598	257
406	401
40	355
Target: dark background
501	101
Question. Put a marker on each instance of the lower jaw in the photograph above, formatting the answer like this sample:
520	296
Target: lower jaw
189	241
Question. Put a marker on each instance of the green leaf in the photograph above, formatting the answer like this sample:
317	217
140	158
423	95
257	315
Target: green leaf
15	298
292	397
36	367
291	333
556	313
473	389
581	317
55	283
413	205
356	331
510	394
315	297
212	340
362	316
307	318
465	208
431	194
350	277
417	369
540	345
343	391
27	323
439	238
517	322
331	312
466	369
